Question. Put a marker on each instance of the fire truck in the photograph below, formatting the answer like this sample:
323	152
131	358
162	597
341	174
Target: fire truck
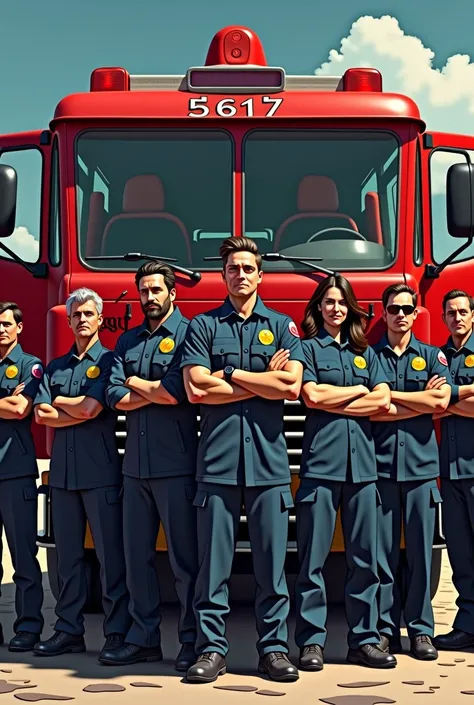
324	173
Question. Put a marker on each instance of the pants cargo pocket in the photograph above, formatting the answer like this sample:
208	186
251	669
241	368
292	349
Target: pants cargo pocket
435	497
200	499
305	494
286	500
114	496
30	493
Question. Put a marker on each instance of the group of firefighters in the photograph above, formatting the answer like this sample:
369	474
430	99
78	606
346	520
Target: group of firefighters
369	449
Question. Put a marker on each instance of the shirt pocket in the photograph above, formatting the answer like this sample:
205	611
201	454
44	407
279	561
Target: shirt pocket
160	365
59	384
225	351
416	380
132	363
329	371
260	356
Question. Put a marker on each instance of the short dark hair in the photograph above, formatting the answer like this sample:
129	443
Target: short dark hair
456	294
13	307
395	289
239	244
150	268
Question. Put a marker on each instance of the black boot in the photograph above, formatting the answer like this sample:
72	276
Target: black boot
421	647
372	656
60	643
311	658
207	668
23	641
456	639
186	657
130	653
113	642
278	667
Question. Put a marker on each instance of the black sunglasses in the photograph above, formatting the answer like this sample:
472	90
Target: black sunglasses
394	309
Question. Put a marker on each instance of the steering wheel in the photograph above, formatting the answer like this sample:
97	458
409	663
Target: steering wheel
330	230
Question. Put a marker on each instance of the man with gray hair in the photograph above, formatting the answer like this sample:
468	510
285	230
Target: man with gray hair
85	479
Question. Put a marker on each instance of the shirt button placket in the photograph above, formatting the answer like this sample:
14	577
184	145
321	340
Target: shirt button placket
246	431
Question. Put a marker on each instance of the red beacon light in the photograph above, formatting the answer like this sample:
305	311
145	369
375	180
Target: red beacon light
235	63
363	80
235	45
110	79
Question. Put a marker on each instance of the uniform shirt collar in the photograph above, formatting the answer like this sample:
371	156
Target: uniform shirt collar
15	354
227	310
413	345
93	352
170	326
469	345
325	339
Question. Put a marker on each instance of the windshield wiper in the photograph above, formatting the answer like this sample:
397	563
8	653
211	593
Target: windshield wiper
137	256
276	257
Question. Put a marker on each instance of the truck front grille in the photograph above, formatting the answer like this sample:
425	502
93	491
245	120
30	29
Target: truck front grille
294	417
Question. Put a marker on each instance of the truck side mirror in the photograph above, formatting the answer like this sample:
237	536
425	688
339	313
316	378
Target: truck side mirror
460	200
8	184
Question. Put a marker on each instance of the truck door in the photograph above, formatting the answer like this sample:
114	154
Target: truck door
30	159
439	151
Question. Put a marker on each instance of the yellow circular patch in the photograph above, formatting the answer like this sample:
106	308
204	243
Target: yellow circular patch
418	363
166	345
469	361
11	371
93	372
266	337
360	362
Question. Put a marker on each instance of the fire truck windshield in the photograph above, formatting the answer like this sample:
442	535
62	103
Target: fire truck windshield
331	195
323	194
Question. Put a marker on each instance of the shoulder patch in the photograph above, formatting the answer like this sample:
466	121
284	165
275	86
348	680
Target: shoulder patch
442	358
37	371
292	327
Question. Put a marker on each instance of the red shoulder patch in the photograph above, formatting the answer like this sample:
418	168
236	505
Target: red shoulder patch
442	358
292	327
37	371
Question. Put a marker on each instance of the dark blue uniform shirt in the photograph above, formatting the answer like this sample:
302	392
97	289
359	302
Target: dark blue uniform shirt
83	456
335	446
242	443
457	432
161	438
17	449
407	450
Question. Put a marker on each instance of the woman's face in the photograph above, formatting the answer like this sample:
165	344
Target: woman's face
333	308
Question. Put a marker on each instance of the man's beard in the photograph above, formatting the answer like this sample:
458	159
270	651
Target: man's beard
156	314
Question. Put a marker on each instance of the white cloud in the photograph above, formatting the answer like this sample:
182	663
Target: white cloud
23	243
445	96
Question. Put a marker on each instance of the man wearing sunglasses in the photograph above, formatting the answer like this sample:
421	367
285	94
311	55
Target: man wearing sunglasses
408	466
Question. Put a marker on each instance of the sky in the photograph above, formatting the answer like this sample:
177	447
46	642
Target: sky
50	48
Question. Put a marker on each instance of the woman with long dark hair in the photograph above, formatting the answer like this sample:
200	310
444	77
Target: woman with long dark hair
343	385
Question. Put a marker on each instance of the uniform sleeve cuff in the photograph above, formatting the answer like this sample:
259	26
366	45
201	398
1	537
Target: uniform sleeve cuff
42	399
195	361
454	394
178	392
115	395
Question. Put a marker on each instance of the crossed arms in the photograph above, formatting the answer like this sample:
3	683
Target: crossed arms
281	380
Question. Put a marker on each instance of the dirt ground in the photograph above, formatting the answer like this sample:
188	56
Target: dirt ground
68	675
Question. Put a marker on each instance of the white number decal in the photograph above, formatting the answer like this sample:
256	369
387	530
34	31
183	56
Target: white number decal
276	102
198	104
227	108
248	105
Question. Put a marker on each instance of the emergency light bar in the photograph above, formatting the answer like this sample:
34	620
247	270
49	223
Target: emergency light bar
236	63
241	79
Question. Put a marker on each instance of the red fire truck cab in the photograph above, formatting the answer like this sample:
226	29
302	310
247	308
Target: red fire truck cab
324	173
